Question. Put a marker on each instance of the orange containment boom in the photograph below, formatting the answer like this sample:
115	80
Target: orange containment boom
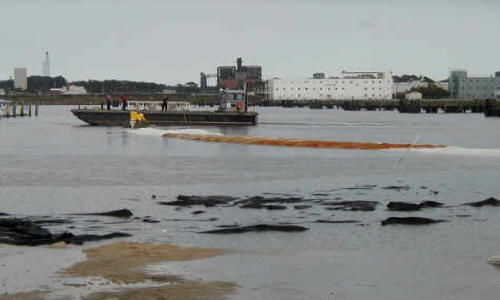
283	142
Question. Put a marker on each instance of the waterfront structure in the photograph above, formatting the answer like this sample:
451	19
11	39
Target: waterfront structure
231	77
74	90
461	86
46	65
169	92
413	96
69	89
203	81
349	86
20	78
226	77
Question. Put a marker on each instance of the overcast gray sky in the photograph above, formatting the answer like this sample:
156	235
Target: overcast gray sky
172	41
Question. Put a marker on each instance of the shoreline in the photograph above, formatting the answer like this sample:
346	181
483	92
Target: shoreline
122	265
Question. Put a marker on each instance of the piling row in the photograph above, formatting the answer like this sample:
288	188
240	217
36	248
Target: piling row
403	106
14	110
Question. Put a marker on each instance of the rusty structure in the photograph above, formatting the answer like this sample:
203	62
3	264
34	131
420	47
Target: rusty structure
226	77
234	77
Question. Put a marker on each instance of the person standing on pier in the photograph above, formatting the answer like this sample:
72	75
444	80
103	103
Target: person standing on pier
124	102
164	106
108	102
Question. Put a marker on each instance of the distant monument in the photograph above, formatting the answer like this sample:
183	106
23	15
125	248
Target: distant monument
46	65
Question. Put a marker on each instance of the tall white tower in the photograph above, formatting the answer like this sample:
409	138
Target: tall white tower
46	65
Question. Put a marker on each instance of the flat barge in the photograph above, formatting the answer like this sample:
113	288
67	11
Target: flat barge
99	117
232	112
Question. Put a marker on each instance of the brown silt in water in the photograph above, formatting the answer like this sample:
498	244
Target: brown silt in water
294	142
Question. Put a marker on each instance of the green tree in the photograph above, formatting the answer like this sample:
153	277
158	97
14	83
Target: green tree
410	78
7	84
44	84
432	91
120	86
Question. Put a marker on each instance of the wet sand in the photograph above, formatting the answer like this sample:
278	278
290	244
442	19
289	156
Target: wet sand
124	262
121	262
182	291
34	295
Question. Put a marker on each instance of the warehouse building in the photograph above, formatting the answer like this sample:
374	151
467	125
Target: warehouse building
231	77
463	87
349	86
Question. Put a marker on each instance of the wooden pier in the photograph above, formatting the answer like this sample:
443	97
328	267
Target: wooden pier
12	109
488	107
492	108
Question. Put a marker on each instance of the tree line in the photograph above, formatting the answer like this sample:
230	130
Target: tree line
431	91
36	84
127	86
410	78
7	84
120	86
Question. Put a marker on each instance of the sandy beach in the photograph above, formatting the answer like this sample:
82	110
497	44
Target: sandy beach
124	262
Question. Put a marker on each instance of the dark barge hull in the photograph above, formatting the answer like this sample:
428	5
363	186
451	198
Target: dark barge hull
121	118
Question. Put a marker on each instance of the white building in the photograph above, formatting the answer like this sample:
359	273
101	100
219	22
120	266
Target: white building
74	90
69	90
413	96
461	86
403	87
20	78
350	86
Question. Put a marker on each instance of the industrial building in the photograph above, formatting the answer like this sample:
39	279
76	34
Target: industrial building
233	77
230	77
20	78
461	86
349	86
226	77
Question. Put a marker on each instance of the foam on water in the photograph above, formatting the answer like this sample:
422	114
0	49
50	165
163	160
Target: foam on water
159	132
457	151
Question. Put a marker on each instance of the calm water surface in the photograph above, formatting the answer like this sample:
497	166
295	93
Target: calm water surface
55	164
